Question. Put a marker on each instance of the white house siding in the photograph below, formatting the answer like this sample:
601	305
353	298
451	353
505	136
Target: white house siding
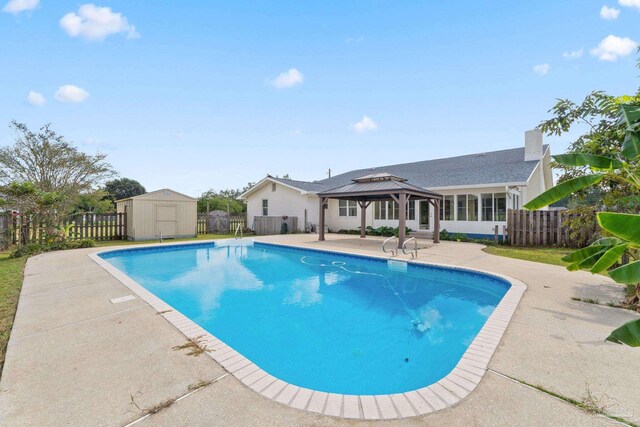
473	228
283	201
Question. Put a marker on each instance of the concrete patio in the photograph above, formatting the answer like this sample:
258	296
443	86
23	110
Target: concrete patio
75	358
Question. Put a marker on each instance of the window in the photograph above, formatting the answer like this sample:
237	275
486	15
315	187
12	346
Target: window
446	211
411	210
380	210
472	207
462	207
265	207
347	208
273	186
500	206
515	201
390	210
487	207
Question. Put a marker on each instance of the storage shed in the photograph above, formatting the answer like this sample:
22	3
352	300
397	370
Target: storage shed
159	214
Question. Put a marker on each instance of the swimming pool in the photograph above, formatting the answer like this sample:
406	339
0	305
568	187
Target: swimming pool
324	321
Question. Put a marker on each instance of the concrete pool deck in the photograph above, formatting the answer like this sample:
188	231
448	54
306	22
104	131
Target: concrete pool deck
75	357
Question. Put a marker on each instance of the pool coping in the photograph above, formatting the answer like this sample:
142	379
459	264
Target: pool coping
445	393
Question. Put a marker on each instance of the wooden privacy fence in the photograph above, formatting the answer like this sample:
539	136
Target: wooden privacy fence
264	225
111	226
5	230
539	228
205	226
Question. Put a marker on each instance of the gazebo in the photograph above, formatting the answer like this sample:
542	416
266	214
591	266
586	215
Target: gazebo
382	187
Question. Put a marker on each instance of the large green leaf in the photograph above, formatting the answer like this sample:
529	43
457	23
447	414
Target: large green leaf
631	145
609	258
584	253
631	114
627	274
625	226
628	334
592	160
607	241
562	190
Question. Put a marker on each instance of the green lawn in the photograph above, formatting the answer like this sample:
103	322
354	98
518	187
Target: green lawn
10	284
11	274
545	255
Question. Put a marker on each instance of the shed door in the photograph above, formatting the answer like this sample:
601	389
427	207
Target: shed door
166	220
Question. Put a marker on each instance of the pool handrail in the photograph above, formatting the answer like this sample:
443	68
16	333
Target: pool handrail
393	253
414	251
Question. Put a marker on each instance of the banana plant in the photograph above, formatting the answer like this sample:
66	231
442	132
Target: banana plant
624	228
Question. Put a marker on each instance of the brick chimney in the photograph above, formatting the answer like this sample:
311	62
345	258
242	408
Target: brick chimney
532	145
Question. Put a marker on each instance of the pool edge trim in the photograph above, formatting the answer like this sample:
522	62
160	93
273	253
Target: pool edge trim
445	393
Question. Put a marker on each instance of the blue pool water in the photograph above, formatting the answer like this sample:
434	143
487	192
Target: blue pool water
325	321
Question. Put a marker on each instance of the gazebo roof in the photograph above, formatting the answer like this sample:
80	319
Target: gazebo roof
378	186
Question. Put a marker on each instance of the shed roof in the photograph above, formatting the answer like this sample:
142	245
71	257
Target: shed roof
152	194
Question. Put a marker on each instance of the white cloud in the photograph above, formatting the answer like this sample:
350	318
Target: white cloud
574	54
296	132
288	79
365	125
630	3
36	98
95	23
612	47
541	69
17	6
71	93
609	13
350	40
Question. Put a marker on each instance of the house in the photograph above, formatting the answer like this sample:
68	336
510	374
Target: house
477	190
159	214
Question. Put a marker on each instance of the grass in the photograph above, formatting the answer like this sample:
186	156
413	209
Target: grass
588	402
551	256
11	272
195	345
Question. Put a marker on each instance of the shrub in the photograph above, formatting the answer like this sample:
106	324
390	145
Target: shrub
36	248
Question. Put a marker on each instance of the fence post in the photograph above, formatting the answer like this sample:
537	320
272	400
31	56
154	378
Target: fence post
496	238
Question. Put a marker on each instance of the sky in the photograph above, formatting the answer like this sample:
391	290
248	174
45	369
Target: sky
211	95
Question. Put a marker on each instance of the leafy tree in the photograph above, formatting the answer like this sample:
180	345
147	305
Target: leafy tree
52	164
97	202
222	201
600	114
30	203
123	188
621	166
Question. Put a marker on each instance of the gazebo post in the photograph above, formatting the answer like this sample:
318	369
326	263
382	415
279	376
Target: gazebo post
363	220
402	226
436	222
321	215
363	217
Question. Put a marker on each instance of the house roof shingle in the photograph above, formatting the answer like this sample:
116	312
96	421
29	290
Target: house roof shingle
494	167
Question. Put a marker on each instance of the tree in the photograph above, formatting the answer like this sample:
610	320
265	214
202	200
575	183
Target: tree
221	201
621	165
97	202
52	164
605	135
123	188
31	203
